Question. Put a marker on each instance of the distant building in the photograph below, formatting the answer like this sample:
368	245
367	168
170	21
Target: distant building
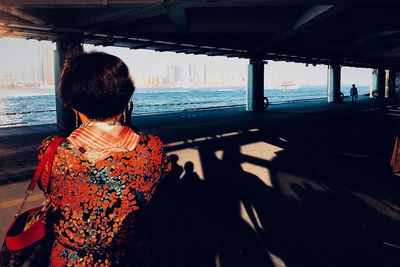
205	74
47	64
171	74
38	68
179	75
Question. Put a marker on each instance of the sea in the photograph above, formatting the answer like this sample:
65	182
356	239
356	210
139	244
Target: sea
33	106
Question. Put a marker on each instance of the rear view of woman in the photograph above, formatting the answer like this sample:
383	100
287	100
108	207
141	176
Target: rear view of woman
104	173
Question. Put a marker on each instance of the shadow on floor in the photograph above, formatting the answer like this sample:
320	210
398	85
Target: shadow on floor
329	203
290	187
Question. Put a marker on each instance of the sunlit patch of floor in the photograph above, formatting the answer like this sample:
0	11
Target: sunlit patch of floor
259	150
219	154
229	134
250	216
278	262
250	212
174	144
200	139
263	151
261	172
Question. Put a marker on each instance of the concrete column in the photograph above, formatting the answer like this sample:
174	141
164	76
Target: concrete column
397	84
255	86
334	83
65	116
378	82
392	82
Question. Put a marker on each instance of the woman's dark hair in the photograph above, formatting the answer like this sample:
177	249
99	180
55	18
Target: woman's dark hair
96	84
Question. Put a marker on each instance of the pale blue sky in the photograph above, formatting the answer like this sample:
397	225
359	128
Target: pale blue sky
16	53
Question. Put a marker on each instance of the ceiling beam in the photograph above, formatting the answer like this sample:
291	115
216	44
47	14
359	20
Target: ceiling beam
311	17
27	35
215	53
315	15
22	15
129	17
42	28
368	42
49	4
375	36
4	32
76	3
102	18
147	12
178	18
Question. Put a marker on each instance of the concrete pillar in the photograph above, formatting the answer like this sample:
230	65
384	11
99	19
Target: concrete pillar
255	86
65	116
392	82
397	84
334	83
378	82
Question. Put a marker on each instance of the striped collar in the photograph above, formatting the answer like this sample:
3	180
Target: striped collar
99	140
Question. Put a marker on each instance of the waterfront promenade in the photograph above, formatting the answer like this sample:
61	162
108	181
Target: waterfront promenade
304	184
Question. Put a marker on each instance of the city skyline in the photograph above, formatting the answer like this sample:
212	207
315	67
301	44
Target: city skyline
32	61
26	61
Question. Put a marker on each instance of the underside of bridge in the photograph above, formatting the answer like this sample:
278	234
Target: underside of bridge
361	33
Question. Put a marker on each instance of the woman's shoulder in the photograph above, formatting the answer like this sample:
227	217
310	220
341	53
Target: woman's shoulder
48	140
45	144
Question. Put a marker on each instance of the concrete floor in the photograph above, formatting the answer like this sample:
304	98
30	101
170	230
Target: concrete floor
305	184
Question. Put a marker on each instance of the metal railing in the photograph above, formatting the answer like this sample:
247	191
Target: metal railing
26	112
313	97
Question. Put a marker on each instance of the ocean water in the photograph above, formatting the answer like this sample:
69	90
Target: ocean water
37	106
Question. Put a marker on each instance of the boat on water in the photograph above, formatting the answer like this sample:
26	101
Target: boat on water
285	85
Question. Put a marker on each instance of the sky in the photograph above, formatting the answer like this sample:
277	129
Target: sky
15	53
275	71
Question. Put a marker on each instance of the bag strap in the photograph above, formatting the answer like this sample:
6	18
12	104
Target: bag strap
47	157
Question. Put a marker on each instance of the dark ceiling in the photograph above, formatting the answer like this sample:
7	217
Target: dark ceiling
361	33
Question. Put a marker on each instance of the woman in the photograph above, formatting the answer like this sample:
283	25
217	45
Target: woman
104	173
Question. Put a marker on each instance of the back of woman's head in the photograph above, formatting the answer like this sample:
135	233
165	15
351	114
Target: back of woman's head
96	84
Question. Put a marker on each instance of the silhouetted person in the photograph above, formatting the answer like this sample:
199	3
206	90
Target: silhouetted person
179	220
176	169
195	221
353	93
190	176
191	186
189	167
